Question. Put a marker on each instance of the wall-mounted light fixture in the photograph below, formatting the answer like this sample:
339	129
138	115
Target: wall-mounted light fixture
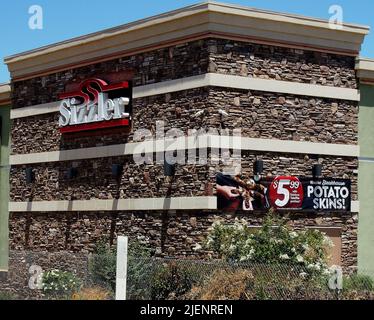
170	164
317	171
30	176
117	170
258	169
169	169
72	173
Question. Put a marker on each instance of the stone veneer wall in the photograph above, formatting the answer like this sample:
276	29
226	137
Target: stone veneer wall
260	114
167	233
94	179
287	117
177	235
184	60
199	57
280	63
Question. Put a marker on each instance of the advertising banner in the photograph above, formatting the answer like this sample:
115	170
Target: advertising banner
284	193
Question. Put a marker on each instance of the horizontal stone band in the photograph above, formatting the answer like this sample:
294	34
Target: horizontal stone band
188	143
185	203
182	203
215	80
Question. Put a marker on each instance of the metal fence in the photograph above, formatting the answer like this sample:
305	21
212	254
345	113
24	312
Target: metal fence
150	278
175	279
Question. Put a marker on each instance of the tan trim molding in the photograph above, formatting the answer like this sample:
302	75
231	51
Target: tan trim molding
182	40
35	110
286	146
4	94
365	70
287	87
215	80
145	204
182	203
188	143
209	17
355	206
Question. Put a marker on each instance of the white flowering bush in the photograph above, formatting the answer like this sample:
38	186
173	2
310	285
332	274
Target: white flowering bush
60	283
273	243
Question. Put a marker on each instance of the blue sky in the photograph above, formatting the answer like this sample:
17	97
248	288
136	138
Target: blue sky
64	19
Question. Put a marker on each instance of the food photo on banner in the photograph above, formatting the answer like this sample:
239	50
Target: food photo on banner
239	192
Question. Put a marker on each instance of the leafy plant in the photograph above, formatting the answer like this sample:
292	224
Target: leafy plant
6	296
104	262
273	243
358	282
103	265
139	270
57	283
171	281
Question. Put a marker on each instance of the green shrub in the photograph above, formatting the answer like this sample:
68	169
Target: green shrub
171	281
104	263
273	243
6	296
102	266
139	270
60	284
358	282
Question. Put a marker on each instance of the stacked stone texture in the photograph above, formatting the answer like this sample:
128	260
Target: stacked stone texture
180	61
259	114
281	63
199	57
95	180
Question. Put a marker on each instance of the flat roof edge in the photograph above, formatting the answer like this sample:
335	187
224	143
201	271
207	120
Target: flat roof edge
186	11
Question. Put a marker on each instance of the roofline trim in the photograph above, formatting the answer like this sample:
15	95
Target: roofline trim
205	17
201	7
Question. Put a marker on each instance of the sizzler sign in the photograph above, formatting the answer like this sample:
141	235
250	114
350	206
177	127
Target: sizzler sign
95	105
